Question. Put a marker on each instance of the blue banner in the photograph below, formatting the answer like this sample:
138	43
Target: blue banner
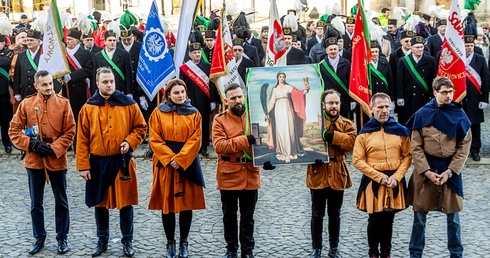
155	65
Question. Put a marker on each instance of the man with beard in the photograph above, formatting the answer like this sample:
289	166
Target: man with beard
327	181
234	150
46	159
441	140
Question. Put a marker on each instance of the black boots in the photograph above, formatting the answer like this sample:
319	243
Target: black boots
171	253
183	248
317	253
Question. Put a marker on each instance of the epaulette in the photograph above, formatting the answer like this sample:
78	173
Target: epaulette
58	95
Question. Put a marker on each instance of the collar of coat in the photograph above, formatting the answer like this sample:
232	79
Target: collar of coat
117	99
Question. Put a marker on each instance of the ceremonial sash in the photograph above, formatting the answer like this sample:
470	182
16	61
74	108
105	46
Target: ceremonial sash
380	76
204	57
415	73
77	66
474	77
4	73
334	75
29	57
197	76
114	66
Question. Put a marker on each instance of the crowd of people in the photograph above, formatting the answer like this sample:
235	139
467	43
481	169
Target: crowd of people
101	110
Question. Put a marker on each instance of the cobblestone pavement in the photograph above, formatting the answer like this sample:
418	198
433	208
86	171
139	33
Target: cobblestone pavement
281	220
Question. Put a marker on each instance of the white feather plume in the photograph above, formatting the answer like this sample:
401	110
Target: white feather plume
5	26
412	22
83	24
434	10
290	21
166	25
336	9
298	6
338	24
65	20
376	32
39	23
328	10
443	14
398	12
114	26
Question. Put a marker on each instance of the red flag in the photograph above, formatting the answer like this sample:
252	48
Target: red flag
361	56
276	49
218	63
452	62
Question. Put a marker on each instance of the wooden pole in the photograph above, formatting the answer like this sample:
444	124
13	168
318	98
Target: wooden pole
38	111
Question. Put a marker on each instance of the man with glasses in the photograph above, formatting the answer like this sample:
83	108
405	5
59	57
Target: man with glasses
440	140
414	75
402	51
477	88
327	181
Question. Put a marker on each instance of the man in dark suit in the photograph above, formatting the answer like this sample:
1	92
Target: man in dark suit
411	92
257	43
249	51
434	42
77	82
118	60
335	72
391	36
381	76
349	32
342	51
294	55
477	88
26	66
202	92
242	62
317	38
6	108
405	49
88	43
208	49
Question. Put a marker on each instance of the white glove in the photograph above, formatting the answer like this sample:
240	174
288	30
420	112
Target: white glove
212	105
18	97
353	105
129	95
482	105
400	102
392	105
143	103
67	78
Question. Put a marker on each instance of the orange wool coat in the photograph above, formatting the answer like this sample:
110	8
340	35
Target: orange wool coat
56	123
229	140
170	126
101	130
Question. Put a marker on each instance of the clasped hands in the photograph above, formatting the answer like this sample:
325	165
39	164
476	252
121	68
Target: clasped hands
390	182
438	179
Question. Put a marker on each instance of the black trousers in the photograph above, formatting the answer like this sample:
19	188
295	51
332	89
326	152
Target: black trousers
6	114
331	200
475	138
185	220
379	232
229	202
57	180
126	216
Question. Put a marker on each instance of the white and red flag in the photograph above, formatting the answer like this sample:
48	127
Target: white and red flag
452	62
276	47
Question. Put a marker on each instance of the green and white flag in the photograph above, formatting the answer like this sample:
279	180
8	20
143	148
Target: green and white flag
53	58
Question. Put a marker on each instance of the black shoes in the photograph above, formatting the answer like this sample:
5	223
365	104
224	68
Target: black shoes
334	253
474	156
63	246
249	255
183	248
36	246
171	252
230	254
204	151
317	253
99	249
8	148
128	249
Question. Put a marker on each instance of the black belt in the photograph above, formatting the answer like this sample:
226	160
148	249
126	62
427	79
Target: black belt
242	159
334	159
47	139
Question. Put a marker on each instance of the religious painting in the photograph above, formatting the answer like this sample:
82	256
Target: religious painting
285	114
